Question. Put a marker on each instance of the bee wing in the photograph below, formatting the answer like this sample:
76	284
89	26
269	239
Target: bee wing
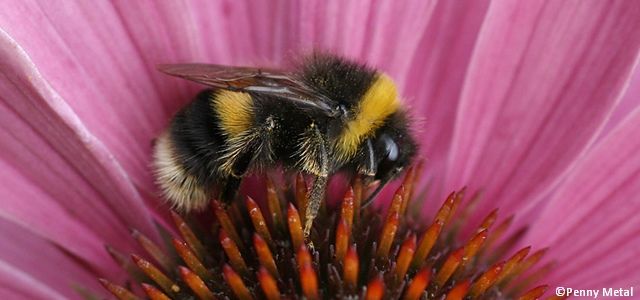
254	80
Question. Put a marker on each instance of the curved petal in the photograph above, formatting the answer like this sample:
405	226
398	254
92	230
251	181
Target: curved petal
55	171
629	102
30	270
434	79
16	284
543	80
87	57
591	221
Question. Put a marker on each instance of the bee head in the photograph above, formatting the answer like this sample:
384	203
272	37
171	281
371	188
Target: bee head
387	152
393	148
383	156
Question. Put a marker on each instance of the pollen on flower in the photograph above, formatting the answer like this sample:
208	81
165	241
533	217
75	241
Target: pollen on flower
251	250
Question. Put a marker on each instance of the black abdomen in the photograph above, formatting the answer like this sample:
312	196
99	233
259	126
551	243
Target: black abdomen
198	138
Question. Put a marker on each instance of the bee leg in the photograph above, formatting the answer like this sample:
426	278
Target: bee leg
369	166
321	174
239	168
315	198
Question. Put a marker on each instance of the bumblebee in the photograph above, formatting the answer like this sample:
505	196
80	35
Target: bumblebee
327	115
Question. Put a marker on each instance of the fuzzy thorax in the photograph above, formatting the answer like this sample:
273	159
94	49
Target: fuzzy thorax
377	104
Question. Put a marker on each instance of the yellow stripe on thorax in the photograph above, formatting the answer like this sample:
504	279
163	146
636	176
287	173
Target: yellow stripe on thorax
234	109
380	101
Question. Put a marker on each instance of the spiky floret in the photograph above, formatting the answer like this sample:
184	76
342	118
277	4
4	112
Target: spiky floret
260	252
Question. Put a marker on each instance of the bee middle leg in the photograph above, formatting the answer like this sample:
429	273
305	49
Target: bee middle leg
315	161
314	200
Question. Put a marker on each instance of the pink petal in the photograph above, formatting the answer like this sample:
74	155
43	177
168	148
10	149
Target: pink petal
39	271
87	57
321	25
629	102
543	80
59	180
592	220
434	79
16	284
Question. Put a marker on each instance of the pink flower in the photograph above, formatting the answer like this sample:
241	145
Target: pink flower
533	103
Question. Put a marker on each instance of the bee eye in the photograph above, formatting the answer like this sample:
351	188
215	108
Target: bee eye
391	148
388	157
